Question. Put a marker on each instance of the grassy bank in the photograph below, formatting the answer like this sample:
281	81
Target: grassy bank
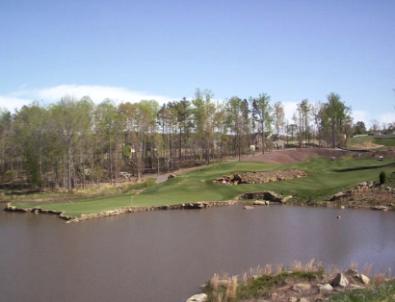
325	177
310	282
381	293
370	142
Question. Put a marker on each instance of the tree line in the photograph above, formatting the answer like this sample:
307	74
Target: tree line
72	143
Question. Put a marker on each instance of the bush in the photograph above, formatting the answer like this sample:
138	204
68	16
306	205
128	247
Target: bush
382	177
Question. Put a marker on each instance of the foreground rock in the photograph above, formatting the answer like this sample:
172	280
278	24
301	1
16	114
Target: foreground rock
198	298
364	279
325	288
340	280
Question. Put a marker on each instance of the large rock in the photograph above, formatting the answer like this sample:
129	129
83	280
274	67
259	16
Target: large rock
340	195
198	298
266	195
171	176
380	208
261	203
196	205
325	288
363	278
286	199
272	196
340	280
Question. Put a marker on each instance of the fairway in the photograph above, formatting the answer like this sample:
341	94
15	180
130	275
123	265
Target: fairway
325	177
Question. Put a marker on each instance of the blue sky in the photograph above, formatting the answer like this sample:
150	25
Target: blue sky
128	50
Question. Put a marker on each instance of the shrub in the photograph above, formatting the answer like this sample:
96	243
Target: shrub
382	177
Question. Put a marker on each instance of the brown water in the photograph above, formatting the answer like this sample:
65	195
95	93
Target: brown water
165	255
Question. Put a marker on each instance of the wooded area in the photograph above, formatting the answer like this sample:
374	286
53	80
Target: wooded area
75	142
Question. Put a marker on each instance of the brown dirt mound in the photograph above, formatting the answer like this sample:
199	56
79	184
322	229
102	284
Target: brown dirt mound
294	155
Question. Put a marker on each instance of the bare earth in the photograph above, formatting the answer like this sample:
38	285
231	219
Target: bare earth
293	155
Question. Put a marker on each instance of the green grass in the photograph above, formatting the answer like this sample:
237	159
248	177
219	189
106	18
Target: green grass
360	140
260	287
324	178
382	293
368	141
385	141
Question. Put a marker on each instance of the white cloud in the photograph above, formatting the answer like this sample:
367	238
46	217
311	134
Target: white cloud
360	115
386	118
97	93
11	103
289	110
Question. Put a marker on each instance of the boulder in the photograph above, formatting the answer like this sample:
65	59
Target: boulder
266	195
340	280
363	278
340	195
260	203
198	298
380	208
325	288
237	179
286	199
272	196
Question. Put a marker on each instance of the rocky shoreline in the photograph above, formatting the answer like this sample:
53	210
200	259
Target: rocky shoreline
367	194
129	210
250	200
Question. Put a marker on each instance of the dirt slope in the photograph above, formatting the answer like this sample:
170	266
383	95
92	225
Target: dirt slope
293	155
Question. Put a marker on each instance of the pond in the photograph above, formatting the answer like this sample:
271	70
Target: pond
165	255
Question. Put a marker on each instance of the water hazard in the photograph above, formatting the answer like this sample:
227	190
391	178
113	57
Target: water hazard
165	255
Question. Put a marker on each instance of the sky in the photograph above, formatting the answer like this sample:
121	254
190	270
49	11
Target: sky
132	50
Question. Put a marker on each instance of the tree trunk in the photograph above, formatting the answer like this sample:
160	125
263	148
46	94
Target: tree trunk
263	137
333	135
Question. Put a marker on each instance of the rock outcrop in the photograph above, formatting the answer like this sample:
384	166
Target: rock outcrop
260	177
266	196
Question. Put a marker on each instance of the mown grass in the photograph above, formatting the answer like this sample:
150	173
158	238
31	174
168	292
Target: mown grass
324	178
382	293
